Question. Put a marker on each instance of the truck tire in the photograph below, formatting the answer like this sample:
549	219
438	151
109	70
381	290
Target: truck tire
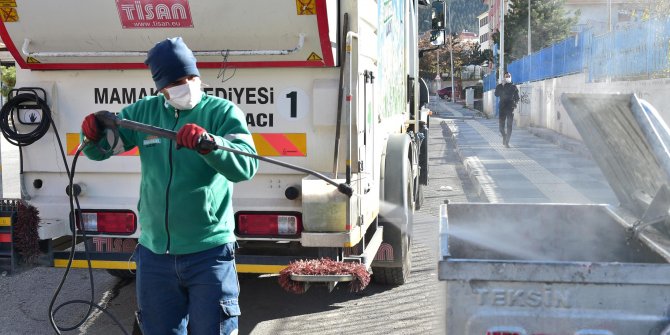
123	274
397	228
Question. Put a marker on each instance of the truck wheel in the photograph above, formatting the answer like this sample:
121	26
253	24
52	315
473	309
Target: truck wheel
123	274
397	228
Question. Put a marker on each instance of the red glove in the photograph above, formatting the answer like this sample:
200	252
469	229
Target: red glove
91	128
189	136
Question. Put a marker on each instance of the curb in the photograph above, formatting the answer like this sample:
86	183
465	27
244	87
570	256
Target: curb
475	173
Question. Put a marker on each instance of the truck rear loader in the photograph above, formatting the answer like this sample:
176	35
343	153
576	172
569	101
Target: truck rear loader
327	85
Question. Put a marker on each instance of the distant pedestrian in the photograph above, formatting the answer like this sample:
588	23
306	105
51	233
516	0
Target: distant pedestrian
509	97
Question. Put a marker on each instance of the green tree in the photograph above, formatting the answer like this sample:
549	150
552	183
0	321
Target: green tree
550	23
8	79
656	8
465	53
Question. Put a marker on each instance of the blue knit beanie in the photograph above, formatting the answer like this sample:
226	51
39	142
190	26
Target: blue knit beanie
170	60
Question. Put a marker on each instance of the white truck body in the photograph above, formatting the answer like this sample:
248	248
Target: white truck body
280	61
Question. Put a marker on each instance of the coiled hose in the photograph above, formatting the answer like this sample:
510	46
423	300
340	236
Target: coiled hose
7	122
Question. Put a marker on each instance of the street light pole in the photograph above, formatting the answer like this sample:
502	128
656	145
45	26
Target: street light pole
451	56
609	14
501	74
529	49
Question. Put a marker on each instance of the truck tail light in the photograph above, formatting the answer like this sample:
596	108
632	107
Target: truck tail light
121	222
269	224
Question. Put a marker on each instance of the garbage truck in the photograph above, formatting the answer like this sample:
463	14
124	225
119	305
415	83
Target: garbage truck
582	269
329	86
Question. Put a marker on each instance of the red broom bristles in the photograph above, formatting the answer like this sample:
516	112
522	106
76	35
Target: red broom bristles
323	266
26	238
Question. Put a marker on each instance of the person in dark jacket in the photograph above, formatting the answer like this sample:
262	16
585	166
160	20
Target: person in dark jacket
509	97
186	274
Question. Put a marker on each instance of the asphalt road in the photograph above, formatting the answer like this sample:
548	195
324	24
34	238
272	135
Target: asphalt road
414	308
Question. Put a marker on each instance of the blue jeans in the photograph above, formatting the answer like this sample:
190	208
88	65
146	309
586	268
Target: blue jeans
198	291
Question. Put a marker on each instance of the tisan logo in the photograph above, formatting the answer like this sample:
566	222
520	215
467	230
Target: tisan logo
154	13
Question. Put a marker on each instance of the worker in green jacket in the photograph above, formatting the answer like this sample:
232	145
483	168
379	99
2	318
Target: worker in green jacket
185	258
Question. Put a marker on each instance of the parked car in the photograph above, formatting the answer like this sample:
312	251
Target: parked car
444	93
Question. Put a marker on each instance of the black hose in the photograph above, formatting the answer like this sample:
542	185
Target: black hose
13	136
73	228
8	126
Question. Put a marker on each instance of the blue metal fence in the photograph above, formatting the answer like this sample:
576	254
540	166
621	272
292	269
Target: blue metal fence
640	50
489	81
563	58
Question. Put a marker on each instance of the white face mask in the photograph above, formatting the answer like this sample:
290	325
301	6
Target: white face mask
185	96
508	80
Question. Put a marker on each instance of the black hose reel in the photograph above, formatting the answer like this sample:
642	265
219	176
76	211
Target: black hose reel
26	108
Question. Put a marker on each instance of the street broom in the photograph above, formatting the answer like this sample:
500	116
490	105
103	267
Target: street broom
360	277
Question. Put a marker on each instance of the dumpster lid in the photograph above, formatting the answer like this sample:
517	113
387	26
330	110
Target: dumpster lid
629	141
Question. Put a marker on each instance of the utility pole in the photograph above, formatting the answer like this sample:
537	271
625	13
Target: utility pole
502	41
529	49
609	15
451	56
438	63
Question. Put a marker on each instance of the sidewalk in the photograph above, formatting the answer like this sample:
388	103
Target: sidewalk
537	168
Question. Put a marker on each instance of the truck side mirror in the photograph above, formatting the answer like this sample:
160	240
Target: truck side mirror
437	37
438	22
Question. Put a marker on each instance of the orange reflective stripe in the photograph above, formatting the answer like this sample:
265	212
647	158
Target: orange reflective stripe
292	144
72	144
267	144
132	152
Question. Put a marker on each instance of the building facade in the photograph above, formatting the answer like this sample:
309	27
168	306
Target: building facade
484	32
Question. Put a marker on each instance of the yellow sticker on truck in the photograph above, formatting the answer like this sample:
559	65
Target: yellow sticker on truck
8	14
305	7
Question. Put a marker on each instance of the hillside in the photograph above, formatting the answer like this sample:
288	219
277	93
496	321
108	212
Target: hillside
463	15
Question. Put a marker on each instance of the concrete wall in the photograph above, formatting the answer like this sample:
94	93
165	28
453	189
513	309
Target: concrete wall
540	104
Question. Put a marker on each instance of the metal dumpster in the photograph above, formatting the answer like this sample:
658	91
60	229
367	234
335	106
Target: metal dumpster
568	268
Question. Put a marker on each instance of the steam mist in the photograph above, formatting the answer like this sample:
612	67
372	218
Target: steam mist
547	232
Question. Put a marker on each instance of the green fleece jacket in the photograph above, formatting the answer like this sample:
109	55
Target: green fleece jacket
185	201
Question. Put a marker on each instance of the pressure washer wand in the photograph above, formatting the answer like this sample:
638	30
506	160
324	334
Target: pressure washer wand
110	120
